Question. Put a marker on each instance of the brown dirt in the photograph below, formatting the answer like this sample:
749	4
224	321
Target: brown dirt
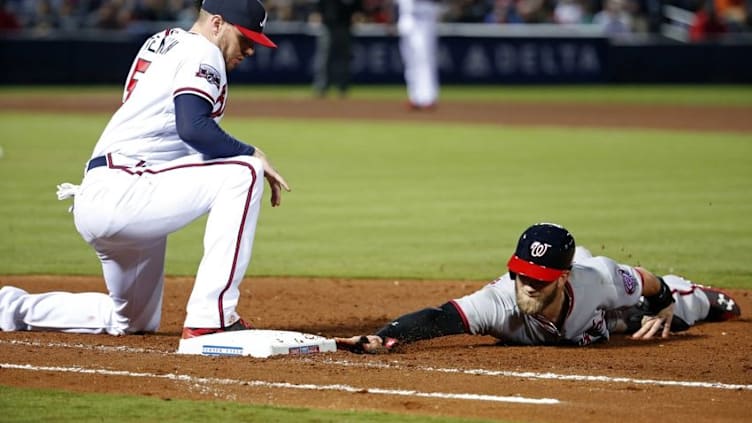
717	352
710	353
689	118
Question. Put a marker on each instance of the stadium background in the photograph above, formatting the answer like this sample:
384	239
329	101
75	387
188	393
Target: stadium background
92	41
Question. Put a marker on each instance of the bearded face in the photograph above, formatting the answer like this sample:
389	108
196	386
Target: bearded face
534	296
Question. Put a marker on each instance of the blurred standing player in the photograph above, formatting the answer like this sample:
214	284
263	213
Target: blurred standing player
559	294
161	163
417	28
334	46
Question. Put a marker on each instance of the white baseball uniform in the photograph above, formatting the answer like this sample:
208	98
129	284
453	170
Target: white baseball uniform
595	285
149	184
417	28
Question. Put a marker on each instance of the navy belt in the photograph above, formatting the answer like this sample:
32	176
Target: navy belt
96	162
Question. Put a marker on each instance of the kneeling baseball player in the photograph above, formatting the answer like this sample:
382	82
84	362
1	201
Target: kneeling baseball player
162	162
559	294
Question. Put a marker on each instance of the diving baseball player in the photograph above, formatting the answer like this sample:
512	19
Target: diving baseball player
556	294
161	163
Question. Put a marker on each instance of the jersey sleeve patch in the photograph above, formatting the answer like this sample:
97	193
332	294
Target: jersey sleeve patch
630	282
209	73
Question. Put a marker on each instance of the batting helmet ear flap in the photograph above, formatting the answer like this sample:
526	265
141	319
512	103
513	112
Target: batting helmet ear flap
544	251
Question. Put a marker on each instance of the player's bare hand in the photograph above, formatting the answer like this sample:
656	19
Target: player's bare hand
276	182
652	325
371	344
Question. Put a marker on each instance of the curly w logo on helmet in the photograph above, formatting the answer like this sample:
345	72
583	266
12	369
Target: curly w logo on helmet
538	249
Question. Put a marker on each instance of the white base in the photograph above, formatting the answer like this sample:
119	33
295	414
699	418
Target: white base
256	343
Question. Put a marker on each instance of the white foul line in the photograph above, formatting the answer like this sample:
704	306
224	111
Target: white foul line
550	376
396	365
282	385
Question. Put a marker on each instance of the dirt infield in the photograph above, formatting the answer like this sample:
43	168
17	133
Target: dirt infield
670	380
703	375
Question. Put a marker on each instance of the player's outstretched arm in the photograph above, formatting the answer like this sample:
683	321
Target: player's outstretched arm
276	181
428	323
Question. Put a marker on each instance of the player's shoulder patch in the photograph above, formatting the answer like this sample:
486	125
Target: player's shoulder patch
629	280
209	73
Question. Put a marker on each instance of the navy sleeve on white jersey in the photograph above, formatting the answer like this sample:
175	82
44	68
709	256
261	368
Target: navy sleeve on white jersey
196	127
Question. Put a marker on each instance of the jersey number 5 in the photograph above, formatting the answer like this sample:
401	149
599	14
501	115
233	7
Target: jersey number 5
140	67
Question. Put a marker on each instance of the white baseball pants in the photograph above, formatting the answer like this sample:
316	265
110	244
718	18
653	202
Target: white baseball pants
126	213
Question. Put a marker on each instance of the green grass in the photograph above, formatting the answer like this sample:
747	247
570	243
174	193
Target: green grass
37	405
729	95
414	201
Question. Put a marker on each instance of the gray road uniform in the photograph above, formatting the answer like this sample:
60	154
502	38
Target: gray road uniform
593	297
597	286
602	297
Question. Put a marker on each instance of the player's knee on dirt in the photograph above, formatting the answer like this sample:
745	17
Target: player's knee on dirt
10	301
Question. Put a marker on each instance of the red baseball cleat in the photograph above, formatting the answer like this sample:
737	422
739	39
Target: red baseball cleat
194	332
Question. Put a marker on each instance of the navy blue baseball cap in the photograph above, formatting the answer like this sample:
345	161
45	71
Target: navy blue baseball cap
248	16
544	251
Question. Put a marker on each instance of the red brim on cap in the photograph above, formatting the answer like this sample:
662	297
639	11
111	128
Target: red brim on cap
256	37
532	270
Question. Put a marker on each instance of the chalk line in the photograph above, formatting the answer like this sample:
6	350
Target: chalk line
282	385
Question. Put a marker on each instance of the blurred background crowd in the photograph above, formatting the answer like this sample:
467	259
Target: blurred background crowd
703	17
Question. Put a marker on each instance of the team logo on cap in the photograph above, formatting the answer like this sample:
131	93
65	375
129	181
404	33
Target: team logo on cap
263	23
538	249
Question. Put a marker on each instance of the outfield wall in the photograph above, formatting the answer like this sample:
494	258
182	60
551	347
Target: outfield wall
469	54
